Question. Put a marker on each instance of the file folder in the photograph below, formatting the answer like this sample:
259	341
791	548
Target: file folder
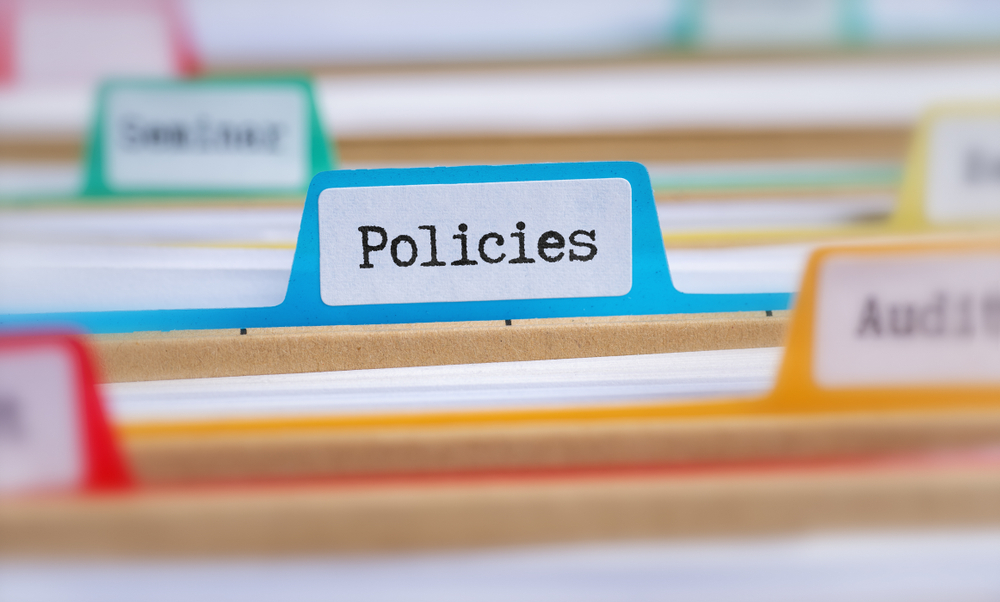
637	285
798	419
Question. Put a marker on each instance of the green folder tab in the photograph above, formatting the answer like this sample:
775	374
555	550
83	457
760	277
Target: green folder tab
205	137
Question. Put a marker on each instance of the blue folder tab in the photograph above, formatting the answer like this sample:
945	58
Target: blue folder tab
307	301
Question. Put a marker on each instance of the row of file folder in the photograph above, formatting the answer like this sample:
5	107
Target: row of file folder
181	37
778	379
429	472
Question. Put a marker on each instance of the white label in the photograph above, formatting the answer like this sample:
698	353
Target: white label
40	442
769	23
224	138
914	320
475	242
963	170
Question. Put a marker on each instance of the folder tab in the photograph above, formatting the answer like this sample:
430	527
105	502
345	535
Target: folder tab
447	244
54	41
211	136
896	326
53	431
952	175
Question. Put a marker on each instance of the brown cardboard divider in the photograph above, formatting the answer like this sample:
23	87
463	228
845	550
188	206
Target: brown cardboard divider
323	453
707	144
145	356
502	510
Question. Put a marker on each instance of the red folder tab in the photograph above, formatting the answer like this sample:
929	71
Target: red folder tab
54	435
6	42
57	41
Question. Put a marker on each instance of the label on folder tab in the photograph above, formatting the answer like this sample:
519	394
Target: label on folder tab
952	175
769	23
53	434
475	241
205	136
40	444
963	175
921	318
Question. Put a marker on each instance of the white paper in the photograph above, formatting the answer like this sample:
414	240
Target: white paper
908	321
740	214
574	382
52	278
756	269
577	241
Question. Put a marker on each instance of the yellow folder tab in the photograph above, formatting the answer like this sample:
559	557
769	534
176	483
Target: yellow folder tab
909	325
952	175
900	326
951	180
